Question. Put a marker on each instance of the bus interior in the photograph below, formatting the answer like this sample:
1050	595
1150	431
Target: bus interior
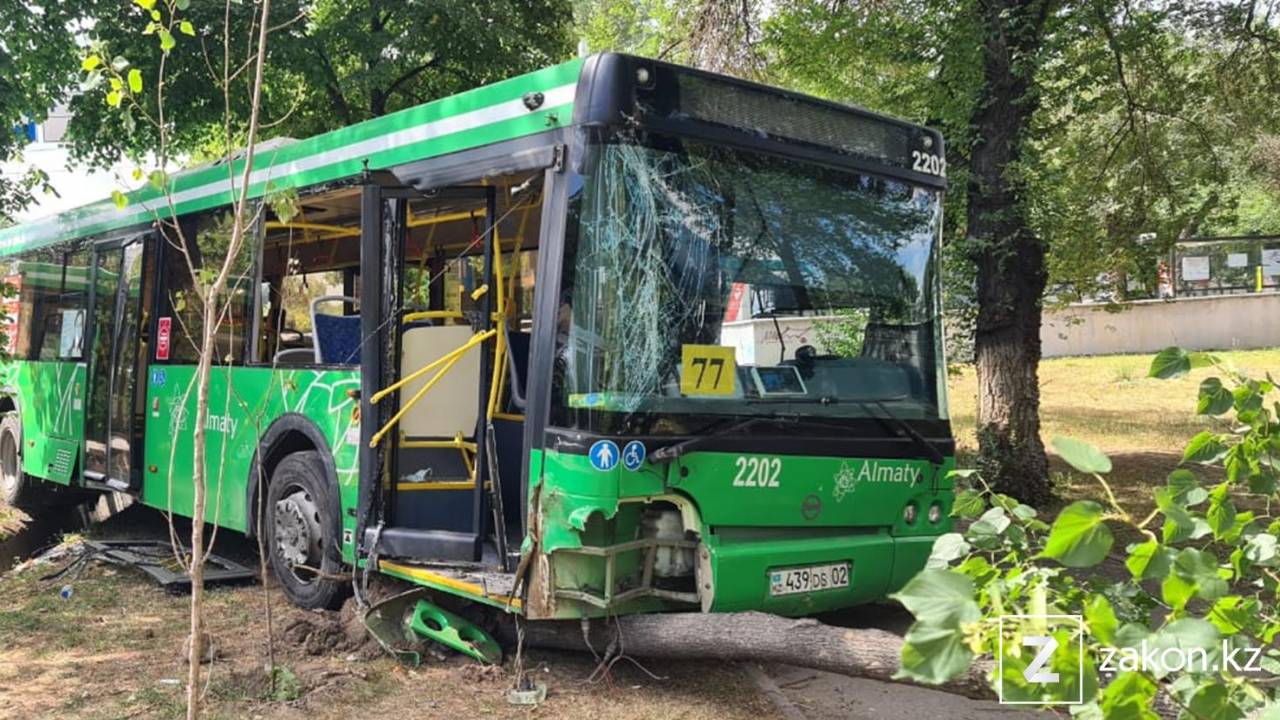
451	490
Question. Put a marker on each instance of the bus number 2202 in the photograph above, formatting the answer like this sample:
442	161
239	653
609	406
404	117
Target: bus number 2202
757	472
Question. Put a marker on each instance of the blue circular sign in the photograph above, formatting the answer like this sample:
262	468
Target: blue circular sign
633	455
604	455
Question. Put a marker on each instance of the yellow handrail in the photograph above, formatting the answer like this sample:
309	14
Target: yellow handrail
432	315
336	230
475	340
453	360
447	217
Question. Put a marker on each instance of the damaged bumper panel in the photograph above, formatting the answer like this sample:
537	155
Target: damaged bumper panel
764	573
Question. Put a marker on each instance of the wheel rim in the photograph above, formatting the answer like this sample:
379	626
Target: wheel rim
9	477
298	539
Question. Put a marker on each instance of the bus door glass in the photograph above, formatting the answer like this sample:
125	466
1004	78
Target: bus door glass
113	365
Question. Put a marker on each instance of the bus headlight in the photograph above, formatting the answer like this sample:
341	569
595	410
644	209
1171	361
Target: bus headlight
935	512
909	514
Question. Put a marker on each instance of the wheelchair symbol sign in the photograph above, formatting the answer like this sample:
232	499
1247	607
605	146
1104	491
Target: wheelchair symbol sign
633	455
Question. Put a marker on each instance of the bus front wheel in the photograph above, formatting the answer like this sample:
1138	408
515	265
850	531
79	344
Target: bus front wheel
13	483
302	533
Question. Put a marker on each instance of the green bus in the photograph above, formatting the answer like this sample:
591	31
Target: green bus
615	336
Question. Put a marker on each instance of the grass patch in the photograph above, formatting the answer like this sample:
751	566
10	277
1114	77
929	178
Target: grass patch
1110	402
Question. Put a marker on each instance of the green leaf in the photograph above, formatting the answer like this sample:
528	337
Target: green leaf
947	549
1213	702
1205	448
1247	398
145	4
186	28
113	98
1174	362
1230	614
182	5
1186	634
1101	618
1200	570
1261	549
90	62
1129	697
1079	537
1186	488
166	40
939	597
1214	399
1171	362
1082	456
993	522
135	81
119	198
1148	561
1221	516
968	504
933	654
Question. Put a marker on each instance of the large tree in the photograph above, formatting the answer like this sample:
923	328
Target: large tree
1083	138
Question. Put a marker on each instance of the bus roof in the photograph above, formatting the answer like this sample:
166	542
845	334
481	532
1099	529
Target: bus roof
482	116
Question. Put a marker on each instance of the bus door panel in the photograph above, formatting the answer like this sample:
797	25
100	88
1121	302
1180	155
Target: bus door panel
113	365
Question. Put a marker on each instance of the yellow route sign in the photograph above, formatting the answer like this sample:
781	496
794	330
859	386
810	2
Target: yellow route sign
707	370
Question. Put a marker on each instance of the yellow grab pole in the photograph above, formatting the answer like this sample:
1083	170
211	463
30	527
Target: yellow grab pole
475	340
377	437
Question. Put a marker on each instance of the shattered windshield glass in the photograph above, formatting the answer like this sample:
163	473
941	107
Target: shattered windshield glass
701	281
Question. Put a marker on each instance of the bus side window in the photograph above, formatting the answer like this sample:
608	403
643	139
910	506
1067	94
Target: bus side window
48	308
204	235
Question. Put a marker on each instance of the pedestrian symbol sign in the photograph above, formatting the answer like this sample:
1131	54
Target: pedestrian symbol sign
603	455
633	455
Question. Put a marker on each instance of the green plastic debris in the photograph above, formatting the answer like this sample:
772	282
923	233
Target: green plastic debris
448	629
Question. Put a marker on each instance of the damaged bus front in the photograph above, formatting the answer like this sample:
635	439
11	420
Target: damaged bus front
745	398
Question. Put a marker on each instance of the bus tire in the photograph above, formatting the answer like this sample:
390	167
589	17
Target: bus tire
13	482
302	530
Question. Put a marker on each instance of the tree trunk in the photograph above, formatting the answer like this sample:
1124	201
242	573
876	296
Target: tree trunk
1010	258
754	636
212	297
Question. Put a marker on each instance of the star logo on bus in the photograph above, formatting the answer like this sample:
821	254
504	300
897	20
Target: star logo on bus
846	480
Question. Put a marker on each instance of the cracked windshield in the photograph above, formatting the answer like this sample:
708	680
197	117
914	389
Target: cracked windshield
703	281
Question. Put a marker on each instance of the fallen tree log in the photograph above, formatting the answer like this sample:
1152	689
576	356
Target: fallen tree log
746	636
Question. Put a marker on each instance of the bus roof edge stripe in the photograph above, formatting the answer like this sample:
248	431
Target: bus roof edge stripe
322	158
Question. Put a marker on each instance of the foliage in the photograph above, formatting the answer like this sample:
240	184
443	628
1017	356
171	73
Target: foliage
332	64
844	333
1153	119
37	68
1200	573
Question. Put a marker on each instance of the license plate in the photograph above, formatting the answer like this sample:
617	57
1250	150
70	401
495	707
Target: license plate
810	578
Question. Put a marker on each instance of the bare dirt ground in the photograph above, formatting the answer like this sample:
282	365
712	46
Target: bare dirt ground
113	650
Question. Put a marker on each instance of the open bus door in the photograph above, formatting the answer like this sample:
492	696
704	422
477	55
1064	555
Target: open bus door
437	455
112	432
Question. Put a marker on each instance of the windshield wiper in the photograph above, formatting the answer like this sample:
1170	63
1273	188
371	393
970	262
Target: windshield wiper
885	416
935	456
671	452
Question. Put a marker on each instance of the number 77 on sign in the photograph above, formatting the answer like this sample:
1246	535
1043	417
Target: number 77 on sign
707	370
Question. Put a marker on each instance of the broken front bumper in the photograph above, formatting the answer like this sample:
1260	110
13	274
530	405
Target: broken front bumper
741	565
